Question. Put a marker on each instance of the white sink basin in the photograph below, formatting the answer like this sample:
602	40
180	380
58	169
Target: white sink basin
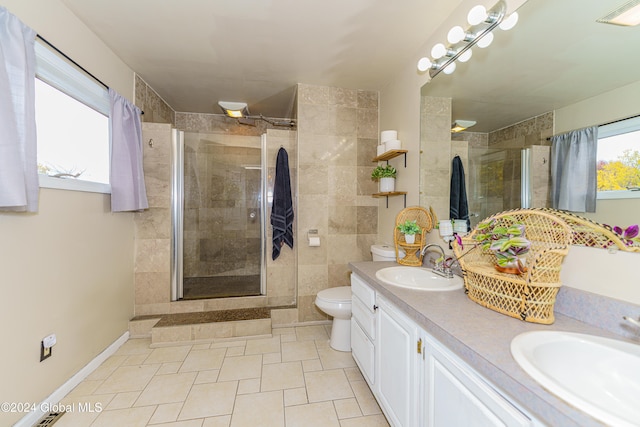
599	376
418	278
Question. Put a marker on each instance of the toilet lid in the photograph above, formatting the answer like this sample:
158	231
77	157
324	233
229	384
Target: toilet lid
338	294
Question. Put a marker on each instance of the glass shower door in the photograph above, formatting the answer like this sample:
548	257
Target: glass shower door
222	235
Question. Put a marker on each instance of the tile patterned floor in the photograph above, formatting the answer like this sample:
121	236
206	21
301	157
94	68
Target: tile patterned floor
293	379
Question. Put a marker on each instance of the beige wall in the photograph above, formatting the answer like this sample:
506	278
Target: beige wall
68	269
337	138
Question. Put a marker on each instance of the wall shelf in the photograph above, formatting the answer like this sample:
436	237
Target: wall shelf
391	194
390	155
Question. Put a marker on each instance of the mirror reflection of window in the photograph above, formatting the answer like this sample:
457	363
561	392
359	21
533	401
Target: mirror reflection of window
619	159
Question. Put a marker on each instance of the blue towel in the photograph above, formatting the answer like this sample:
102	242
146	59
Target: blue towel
458	206
282	209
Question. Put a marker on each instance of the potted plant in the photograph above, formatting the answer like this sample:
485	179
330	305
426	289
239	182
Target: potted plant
507	242
410	228
386	176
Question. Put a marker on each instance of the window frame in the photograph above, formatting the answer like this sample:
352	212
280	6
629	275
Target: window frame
56	71
627	125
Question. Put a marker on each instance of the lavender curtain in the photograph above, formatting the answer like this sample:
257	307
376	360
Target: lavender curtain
128	191
18	146
573	170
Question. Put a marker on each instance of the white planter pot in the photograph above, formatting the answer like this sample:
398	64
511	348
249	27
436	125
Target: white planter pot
410	238
387	185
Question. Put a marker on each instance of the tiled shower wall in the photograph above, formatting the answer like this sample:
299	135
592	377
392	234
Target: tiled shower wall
333	151
531	133
337	138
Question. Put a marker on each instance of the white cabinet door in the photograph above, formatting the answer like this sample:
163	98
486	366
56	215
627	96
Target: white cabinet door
363	327
397	376
363	352
457	396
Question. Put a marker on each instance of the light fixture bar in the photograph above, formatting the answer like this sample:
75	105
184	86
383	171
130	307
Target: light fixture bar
495	16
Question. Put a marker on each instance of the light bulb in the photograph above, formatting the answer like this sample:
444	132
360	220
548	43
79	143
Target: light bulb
465	56
485	41
510	22
424	64
477	15
438	51
449	68
455	34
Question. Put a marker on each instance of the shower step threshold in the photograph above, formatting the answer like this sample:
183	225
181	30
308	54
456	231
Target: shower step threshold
208	326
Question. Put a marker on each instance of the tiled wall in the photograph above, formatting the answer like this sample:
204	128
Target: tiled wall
439	146
337	138
333	151
155	109
436	154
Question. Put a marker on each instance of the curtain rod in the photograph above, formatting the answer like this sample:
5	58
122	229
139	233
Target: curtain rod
601	124
72	61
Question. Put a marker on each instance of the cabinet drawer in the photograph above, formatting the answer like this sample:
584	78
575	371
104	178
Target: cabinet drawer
363	352
365	317
363	291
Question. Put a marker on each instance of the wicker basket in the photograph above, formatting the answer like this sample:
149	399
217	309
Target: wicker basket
529	296
592	234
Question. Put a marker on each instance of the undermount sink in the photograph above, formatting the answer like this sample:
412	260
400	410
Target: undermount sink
418	278
599	376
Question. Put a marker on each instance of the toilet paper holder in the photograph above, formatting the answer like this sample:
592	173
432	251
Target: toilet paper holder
313	237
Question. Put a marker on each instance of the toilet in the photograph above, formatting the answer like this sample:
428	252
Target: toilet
385	253
336	302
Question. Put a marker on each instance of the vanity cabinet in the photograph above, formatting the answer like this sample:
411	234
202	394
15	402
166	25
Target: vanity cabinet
454	395
417	381
397	369
363	327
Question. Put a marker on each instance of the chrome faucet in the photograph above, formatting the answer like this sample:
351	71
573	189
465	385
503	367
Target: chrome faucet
440	268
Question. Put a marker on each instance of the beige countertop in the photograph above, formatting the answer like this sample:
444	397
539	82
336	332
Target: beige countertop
482	338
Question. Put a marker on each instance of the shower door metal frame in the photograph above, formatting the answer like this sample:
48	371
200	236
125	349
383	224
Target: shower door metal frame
177	213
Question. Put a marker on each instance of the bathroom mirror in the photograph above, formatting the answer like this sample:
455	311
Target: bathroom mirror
557	56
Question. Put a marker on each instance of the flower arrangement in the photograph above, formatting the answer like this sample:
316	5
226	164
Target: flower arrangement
628	235
387	171
507	242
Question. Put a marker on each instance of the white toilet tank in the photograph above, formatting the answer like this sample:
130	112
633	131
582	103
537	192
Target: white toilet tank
384	253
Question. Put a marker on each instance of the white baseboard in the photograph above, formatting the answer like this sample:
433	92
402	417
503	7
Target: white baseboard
32	417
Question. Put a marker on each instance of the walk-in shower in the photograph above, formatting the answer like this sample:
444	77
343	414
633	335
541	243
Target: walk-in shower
218	215
503	178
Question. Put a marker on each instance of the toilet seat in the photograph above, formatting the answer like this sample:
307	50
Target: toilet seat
337	295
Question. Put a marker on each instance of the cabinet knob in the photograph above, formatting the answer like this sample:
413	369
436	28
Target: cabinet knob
375	307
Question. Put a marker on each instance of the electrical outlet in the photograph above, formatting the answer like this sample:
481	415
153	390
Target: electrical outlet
45	352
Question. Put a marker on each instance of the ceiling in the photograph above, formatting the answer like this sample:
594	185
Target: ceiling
556	56
195	53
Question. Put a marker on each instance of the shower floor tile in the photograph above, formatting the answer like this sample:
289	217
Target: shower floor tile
220	287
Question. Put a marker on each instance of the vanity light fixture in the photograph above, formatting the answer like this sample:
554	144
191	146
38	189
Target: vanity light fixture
482	22
626	15
235	110
460	125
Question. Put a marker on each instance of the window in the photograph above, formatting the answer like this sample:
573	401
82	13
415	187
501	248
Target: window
72	122
619	159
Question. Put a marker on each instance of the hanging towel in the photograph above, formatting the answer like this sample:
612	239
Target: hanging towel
458	206
282	209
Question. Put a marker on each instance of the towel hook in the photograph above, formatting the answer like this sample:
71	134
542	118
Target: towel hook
150	142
